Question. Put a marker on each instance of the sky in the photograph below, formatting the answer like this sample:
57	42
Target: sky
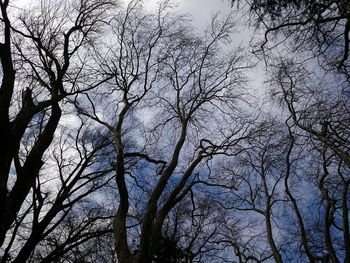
201	12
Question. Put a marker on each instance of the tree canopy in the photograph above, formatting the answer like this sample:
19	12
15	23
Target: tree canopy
128	135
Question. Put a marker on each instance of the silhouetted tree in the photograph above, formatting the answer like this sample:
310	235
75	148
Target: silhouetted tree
159	66
44	171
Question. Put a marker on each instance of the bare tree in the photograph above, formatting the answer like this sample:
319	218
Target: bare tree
44	62
305	187
314	107
320	28
258	174
192	93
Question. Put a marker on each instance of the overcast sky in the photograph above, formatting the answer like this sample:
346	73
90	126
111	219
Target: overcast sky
201	12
